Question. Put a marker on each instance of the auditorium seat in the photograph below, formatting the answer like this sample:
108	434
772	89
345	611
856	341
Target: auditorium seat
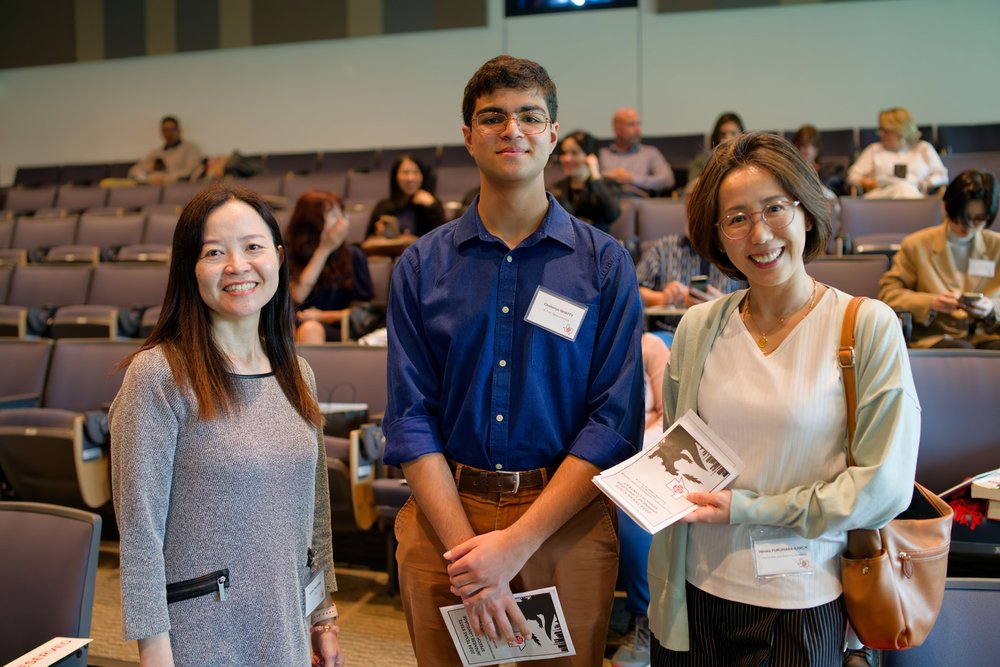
349	373
36	177
73	254
295	186
36	291
266	185
367	186
956	163
110	232
48	570
454	182
625	226
134	198
344	161
23	201
160	228
25	364
958	392
181	192
858	275
82	174
659	217
455	155
969	138
428	155
6	233
380	269
119	294
291	163
679	150
5	272
76	198
891	218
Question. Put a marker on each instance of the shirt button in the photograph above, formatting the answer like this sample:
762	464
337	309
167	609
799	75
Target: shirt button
499	418
499	466
509	259
505	309
503	363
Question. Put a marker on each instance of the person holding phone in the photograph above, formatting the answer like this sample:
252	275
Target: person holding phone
411	208
672	273
584	192
327	273
946	276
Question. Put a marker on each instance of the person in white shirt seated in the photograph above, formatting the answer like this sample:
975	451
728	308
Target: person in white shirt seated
176	160
899	165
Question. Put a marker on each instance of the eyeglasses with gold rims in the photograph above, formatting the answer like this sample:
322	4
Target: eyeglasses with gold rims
775	214
495	122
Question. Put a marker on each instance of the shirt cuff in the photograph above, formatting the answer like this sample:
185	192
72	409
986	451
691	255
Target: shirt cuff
410	438
601	445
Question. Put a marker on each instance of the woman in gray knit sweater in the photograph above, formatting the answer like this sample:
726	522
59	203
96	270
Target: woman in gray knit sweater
218	462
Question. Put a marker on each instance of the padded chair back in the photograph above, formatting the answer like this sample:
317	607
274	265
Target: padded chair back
291	163
295	186
160	228
349	373
965	632
455	155
135	197
659	217
35	233
454	182
33	177
857	275
367	186
110	231
366	447
266	185
6	233
380	269
862	217
48	567
358	214
82	375
128	285
679	150
25	364
959	162
626	225
181	193
969	138
343	161
5	273
80	198
28	201
428	155
82	174
958	392
35	285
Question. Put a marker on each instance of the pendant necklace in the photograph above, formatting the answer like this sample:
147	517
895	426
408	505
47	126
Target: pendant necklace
762	340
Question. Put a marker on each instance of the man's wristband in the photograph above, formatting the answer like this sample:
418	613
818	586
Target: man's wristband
326	614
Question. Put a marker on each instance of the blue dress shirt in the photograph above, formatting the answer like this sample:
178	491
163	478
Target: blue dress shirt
470	378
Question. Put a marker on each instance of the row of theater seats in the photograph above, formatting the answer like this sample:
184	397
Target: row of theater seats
106	300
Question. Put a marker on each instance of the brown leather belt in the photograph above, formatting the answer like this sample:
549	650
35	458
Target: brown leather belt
488	481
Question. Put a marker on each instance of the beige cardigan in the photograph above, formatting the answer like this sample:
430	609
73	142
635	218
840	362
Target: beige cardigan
923	268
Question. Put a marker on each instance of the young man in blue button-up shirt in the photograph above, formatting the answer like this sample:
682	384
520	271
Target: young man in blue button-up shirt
515	376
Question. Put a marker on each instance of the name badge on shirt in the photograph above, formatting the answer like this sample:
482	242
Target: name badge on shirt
982	268
315	591
779	553
555	313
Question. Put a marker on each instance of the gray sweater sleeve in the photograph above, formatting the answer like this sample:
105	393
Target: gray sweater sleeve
144	427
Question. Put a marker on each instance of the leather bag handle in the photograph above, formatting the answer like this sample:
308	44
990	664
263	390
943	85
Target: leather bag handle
847	357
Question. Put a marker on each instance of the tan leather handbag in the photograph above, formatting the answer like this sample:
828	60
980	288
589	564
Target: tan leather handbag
893	577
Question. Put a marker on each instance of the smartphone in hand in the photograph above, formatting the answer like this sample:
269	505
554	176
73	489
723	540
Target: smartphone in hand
969	298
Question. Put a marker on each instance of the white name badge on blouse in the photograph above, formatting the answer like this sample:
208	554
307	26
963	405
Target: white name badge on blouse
315	591
778	552
982	268
555	313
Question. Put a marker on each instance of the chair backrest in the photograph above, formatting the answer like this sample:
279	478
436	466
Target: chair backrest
969	138
626	225
679	150
428	155
110	231
295	186
358	214
33	177
454	182
342	161
659	217
291	163
857	275
181	193
5	273
32	233
81	374
959	162
958	392
135	197
860	217
160	228
965	631
6	233
25	364
380	269
48	567
35	285
128	285
82	174
75	198
349	373
27	201
266	185
455	155
372	185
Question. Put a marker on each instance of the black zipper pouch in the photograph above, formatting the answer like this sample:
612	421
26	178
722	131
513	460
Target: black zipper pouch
214	582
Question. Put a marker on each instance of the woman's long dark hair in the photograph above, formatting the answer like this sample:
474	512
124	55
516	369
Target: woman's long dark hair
304	230
396	194
184	330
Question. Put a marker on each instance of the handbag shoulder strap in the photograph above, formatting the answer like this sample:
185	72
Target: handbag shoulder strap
846	356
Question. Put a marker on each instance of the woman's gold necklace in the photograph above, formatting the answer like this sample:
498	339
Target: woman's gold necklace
762	340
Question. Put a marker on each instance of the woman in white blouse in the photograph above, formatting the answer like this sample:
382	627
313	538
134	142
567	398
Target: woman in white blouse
760	367
899	165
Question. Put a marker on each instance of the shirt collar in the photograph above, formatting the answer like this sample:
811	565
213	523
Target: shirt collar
634	148
555	225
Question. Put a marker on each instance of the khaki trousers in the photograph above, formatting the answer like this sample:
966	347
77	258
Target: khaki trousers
580	560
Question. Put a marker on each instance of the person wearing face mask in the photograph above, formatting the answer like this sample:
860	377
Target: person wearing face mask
411	207
899	165
946	276
583	192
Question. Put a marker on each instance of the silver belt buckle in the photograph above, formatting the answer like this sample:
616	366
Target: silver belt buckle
517	479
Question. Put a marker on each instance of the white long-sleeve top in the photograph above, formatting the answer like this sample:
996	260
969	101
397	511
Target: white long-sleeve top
924	170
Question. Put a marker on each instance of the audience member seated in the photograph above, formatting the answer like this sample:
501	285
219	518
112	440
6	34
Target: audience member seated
327	273
583	192
809	143
177	160
946	276
665	270
727	126
411	207
641	170
634	540
899	165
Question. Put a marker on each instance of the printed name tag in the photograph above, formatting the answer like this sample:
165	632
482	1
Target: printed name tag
555	313
315	591
780	556
982	268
